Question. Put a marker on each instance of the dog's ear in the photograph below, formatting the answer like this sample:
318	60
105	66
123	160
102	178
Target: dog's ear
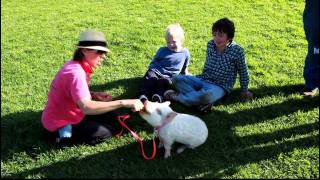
167	103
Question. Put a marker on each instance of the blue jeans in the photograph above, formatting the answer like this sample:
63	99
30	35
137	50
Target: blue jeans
194	91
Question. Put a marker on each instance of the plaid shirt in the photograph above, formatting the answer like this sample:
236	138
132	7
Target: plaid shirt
222	69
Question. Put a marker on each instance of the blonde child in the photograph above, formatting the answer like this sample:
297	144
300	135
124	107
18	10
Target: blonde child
170	60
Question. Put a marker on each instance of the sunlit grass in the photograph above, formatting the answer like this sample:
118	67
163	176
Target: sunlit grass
276	135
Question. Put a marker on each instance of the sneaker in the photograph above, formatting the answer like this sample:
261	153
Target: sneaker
156	98
170	95
307	92
206	97
205	108
143	98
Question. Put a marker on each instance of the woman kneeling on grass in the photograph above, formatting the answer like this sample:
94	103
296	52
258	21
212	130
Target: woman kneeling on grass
72	112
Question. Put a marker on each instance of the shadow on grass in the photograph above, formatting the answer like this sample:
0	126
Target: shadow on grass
240	151
131	86
220	156
125	162
262	92
23	132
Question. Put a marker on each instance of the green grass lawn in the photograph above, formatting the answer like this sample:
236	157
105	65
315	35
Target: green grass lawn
276	135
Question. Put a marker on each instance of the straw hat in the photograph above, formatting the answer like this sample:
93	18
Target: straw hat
92	39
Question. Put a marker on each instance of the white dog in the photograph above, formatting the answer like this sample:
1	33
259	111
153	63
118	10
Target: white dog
174	127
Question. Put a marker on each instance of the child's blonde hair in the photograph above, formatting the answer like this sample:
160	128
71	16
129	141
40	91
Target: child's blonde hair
175	30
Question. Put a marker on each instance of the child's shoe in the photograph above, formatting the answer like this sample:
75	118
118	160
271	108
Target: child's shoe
143	98
205	108
157	98
170	95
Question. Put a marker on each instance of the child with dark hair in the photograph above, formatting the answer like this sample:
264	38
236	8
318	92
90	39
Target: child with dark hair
224	60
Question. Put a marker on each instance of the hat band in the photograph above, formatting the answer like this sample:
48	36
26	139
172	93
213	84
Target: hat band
92	43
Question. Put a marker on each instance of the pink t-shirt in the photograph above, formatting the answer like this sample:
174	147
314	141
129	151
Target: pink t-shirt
69	85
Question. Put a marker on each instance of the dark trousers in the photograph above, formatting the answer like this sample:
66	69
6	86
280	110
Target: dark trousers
92	129
153	83
311	18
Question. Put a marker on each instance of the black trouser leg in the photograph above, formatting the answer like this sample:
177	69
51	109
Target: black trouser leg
94	128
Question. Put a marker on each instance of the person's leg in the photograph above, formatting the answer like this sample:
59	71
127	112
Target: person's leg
156	86
94	128
186	83
193	91
49	136
147	84
163	84
311	72
206	95
211	93
183	84
311	69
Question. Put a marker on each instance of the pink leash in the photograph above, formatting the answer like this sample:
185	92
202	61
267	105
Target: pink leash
121	120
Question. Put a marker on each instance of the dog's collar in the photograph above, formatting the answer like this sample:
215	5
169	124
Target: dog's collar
166	120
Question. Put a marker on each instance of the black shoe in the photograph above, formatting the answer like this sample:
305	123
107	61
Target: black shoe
143	98
157	98
170	95
205	108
